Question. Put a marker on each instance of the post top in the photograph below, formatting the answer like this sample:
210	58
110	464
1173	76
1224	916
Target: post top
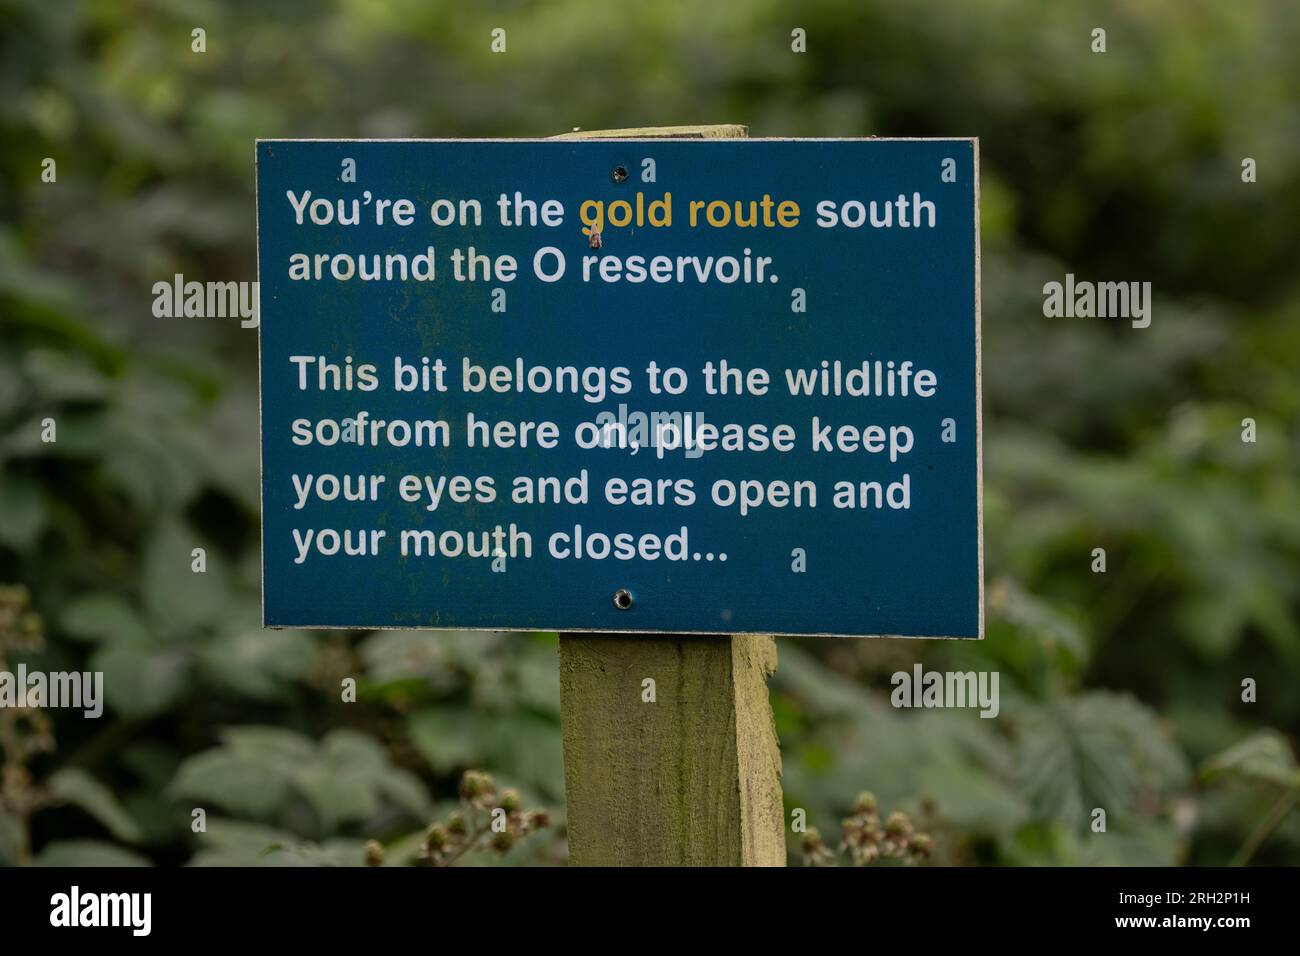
718	131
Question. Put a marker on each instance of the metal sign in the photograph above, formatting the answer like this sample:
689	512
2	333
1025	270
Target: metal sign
708	386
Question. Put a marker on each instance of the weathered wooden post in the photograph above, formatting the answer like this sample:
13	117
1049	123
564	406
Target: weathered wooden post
694	778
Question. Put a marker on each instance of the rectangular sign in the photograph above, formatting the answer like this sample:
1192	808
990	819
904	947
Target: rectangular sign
698	386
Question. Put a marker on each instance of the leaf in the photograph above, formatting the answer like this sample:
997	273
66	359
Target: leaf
447	738
337	852
1043	843
23	513
275	744
349	749
10	837
407	791
141	681
177	599
350	777
1152	843
338	795
236	843
1263	756
101	616
259	663
1016	605
78	853
973	799
268	772
80	789
1096	750
538	677
392	656
236	782
63	377
528	746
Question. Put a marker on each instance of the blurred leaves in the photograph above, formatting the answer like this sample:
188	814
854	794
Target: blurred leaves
1096	750
1263	756
82	790
271	774
233	843
78	853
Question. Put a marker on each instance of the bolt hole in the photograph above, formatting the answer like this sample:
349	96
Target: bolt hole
619	175
623	599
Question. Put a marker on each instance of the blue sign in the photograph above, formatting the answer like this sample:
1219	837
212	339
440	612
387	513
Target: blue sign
698	386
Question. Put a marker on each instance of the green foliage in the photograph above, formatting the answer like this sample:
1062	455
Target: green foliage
233	843
275	775
1262	757
87	853
1124	165
79	788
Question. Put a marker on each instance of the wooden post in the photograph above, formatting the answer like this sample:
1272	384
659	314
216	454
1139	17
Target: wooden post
694	777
